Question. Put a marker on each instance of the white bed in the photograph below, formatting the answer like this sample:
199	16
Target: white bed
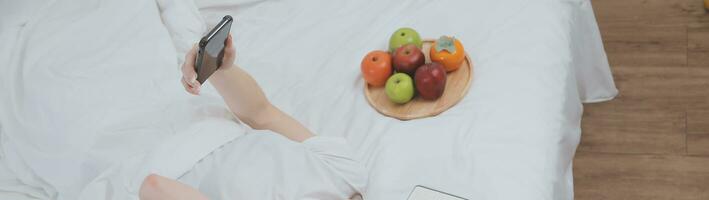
512	137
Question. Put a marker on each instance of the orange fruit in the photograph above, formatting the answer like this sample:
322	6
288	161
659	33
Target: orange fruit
449	52
376	67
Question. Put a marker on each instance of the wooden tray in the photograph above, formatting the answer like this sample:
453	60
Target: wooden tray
457	85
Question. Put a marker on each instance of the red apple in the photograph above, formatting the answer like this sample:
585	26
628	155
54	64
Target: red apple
408	58
430	81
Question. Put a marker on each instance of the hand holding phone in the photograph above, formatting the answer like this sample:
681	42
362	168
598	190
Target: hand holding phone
211	49
208	56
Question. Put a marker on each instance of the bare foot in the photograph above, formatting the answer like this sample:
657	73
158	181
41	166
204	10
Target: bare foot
156	187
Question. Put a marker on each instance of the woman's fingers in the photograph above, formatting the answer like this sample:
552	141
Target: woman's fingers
229	51
194	84
188	66
185	85
191	56
189	76
192	87
229	47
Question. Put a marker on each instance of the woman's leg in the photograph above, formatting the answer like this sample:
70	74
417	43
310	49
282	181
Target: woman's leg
156	187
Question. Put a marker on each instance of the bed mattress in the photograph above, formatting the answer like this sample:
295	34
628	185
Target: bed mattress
512	137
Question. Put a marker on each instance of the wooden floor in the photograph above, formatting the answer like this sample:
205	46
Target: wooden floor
652	141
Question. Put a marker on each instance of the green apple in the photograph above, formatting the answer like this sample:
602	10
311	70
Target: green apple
404	36
400	88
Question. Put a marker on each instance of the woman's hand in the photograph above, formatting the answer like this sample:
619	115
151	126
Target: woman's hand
189	76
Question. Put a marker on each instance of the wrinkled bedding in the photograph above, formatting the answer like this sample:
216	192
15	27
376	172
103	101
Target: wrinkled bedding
91	92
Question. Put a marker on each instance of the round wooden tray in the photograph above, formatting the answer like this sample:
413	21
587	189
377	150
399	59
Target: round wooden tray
457	85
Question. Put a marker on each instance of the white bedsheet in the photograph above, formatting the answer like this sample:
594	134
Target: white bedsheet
513	136
91	89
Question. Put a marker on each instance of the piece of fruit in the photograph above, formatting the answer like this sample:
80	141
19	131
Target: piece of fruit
400	88
430	81
407	59
376	68
449	52
402	37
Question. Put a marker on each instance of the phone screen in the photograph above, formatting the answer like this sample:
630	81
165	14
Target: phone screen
211	50
425	193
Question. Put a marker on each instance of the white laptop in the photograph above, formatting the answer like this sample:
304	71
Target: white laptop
425	193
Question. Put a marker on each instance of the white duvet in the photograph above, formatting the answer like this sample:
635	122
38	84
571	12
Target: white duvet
91	90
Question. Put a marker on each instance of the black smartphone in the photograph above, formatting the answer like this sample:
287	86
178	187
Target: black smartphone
211	50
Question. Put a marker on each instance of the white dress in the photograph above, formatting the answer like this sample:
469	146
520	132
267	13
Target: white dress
265	165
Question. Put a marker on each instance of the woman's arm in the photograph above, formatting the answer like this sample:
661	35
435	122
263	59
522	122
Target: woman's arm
243	96
246	99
